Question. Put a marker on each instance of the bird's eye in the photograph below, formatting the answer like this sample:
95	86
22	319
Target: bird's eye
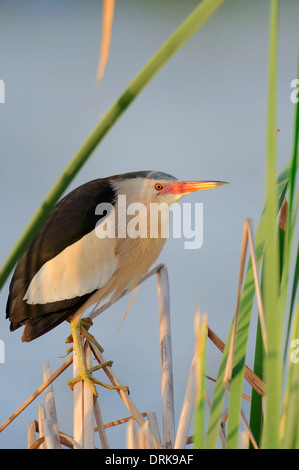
158	186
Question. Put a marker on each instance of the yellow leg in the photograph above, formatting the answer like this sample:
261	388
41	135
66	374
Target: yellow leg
84	373
85	324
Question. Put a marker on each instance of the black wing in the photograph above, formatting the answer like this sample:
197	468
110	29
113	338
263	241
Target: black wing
72	218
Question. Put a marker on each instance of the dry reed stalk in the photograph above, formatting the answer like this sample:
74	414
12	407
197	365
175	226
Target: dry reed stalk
257	285
116	422
116	382
229	363
31	434
244	441
246	397
153	424
100	425
38	443
249	375
166	360
190	394
67	440
131	436
50	437
78	423
88	406
201	333
145	440
50	404
41	412
187	408
248	431
64	439
108	11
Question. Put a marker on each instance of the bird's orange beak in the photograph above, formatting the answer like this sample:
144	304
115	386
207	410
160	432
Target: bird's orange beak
185	187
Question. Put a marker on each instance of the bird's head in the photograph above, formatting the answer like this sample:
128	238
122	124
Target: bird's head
157	187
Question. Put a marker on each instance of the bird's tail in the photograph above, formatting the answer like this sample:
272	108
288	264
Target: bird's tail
36	327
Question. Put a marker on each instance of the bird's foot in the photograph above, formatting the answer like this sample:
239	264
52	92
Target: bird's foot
90	380
80	328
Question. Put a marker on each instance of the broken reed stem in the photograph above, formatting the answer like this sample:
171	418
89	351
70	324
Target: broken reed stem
37	392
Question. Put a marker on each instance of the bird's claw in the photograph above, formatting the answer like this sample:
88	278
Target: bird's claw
89	380
68	351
